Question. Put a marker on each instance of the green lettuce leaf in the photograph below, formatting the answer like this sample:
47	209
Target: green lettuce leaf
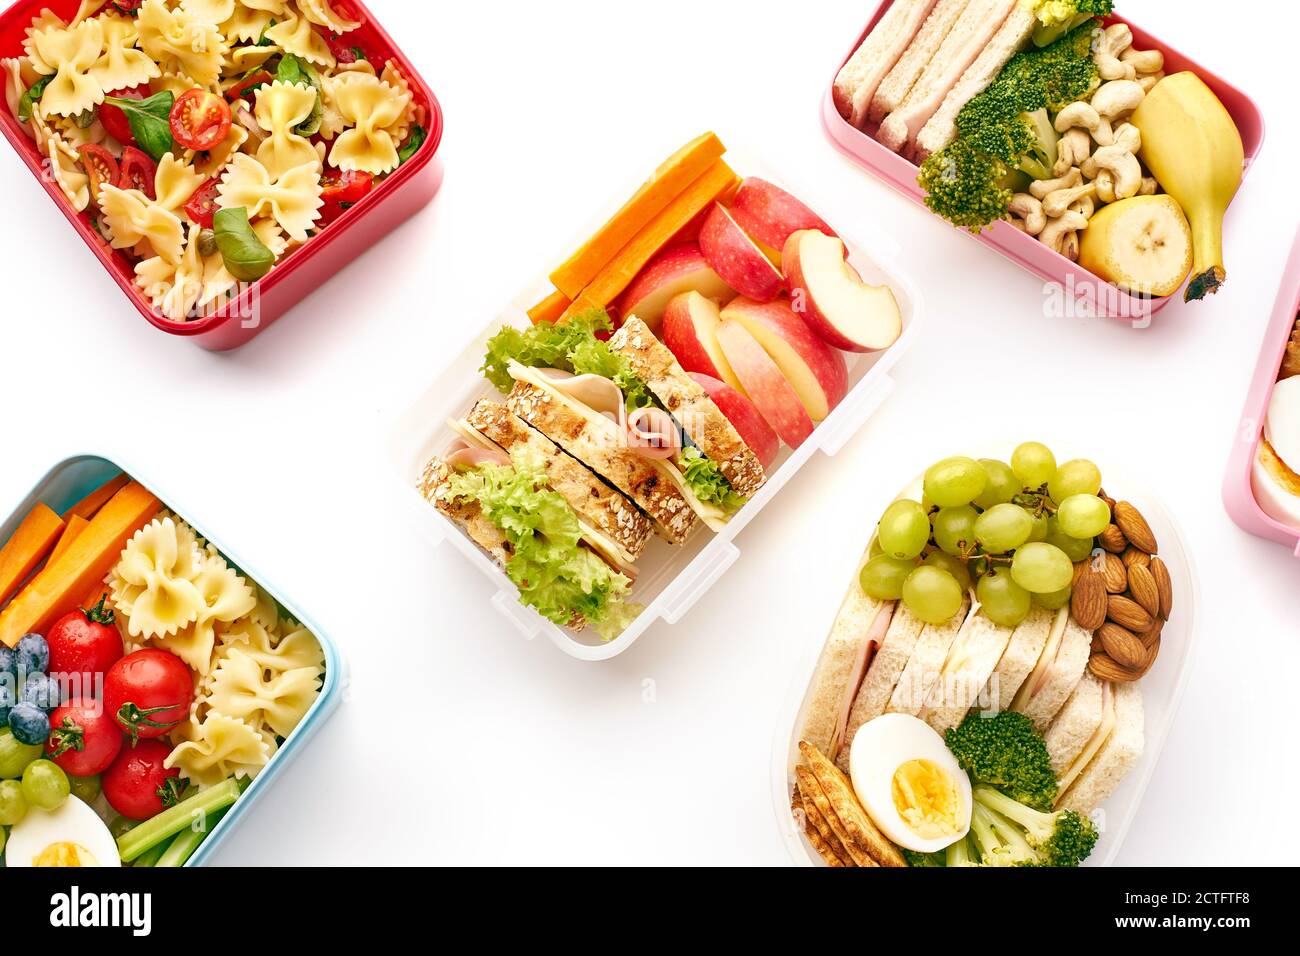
707	482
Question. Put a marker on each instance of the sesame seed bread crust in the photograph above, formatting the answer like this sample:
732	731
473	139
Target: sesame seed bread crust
603	507
687	402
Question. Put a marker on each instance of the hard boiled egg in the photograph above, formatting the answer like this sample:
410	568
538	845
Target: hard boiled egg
909	783
72	835
1276	467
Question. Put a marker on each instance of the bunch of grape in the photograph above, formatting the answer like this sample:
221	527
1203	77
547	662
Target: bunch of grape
1013	532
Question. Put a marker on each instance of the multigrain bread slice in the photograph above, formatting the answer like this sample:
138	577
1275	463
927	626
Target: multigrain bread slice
894	88
941	128
601	506
1118	755
702	420
597	443
858	79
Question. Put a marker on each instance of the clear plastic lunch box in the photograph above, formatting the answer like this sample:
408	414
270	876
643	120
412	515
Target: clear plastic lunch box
1020	248
71	480
402	194
1162	687
670	580
1238	491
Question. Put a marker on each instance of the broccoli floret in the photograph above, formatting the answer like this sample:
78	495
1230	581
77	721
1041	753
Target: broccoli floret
1063	838
964	186
924	859
1000	842
1005	751
1056	17
959	854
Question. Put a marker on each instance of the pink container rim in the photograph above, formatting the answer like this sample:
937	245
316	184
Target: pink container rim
1022	249
1238	489
11	25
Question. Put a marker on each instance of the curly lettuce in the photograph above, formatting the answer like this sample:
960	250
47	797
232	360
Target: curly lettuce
555	574
708	482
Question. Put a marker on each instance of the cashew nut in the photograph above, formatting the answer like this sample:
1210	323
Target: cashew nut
1061	234
1129	137
1105	183
1086	207
1148	81
1144	61
1027	214
1075	146
1111	54
1122	164
1149	186
1113	101
1042	187
1080	115
1058	203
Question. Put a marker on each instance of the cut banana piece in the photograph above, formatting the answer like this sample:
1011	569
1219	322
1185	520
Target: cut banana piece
1143	245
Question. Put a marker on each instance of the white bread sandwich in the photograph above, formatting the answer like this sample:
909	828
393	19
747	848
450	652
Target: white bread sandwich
1110	753
925	665
1019	659
1075	725
974	656
1276	472
858	79
898	83
1059	669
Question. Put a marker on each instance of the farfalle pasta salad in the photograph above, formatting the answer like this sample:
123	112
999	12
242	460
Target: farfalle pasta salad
144	682
208	139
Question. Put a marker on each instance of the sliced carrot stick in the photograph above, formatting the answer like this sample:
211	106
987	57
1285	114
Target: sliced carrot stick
24	552
549	309
76	525
89	505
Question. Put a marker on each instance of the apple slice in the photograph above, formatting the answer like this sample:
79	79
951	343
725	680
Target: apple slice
816	371
737	258
831	297
690	330
671	273
744	417
770	215
769	390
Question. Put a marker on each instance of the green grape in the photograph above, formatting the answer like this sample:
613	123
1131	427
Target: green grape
1042	568
875	548
1041	527
1056	600
1005	602
977	567
1078	549
1003	485
15	756
85	789
4	835
954	529
1083	516
13	805
1003	528
45	785
955	481
954	566
1034	464
904	530
882	577
932	594
1078	477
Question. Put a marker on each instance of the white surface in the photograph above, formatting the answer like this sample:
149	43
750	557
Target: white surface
462	743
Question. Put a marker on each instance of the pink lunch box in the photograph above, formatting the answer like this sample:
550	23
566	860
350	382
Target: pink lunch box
1238	490
401	194
1020	248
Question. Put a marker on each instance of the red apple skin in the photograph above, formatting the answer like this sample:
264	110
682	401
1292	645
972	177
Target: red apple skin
767	387
674	271
737	259
820	369
876	301
744	417
690	332
770	215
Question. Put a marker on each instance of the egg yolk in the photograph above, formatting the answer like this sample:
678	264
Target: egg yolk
926	799
65	855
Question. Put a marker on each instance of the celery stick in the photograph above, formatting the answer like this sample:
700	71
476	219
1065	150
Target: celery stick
171	822
186	842
150	857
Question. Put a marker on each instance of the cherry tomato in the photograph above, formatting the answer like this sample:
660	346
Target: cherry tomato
200	120
349	187
100	166
138	172
245	89
148	693
114	119
84	740
202	206
83	646
137	785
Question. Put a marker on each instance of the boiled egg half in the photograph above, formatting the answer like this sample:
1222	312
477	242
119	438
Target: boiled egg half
909	783
70	836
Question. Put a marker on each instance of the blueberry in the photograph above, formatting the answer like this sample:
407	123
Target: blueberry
8	661
7	700
40	691
29	724
33	655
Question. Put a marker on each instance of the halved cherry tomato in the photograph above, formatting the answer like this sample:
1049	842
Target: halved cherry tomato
138	172
114	119
200	120
202	206
347	187
100	166
246	87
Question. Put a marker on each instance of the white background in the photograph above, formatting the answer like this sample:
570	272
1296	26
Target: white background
463	744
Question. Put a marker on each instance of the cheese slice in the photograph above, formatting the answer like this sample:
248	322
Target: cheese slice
1042	671
1094	744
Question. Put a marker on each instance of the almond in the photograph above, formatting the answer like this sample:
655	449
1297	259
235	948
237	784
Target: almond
1135	527
1097	647
1110	502
1142	588
1112	539
1153	651
1122	646
1114	574
1088	603
1164	586
1103	668
1080	569
1128	614
1152	635
1133	556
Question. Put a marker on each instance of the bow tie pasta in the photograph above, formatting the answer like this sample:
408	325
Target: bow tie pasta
291	199
70	54
122	66
281	107
370	106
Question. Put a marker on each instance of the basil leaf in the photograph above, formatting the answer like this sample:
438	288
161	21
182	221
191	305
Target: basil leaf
247	258
28	103
150	121
290	70
294	69
263	40
360	54
418	138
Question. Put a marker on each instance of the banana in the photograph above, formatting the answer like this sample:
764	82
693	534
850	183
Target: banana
1143	245
1193	148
